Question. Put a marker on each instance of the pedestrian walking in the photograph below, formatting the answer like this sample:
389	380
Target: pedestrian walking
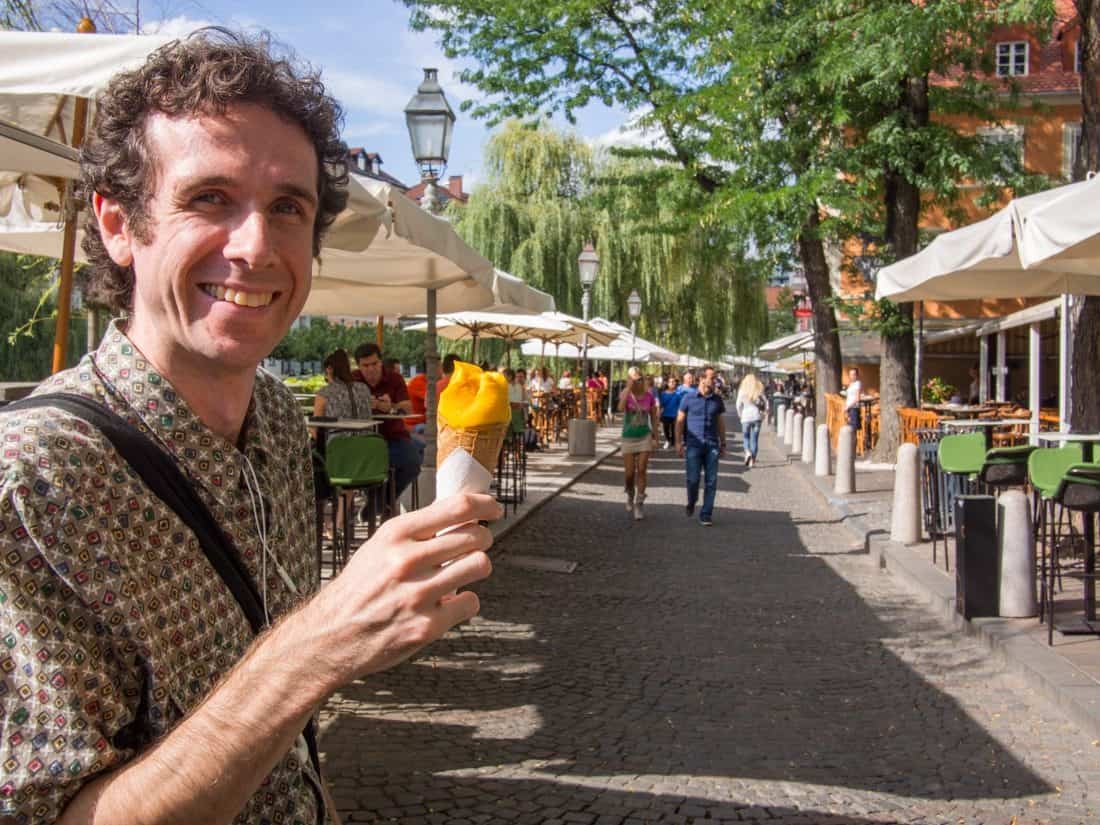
670	405
701	440
639	437
752	404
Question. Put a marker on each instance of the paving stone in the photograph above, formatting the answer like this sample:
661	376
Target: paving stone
757	670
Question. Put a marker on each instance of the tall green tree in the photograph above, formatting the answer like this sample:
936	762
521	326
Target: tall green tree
1085	398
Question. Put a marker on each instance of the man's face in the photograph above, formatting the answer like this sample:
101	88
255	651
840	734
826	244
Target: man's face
228	265
706	381
371	367
853	375
689	379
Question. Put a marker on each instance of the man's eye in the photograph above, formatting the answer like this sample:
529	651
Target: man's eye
289	207
213	198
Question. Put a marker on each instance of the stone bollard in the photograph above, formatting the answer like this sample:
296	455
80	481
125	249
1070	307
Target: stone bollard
808	440
905	524
788	426
796	434
821	453
780	419
1016	547
845	462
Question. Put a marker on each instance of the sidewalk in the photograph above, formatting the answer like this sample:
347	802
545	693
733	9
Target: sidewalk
1067	673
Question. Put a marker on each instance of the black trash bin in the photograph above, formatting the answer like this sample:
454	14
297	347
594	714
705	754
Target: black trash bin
977	557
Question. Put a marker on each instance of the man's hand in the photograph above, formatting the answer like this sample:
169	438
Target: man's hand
382	403
680	449
399	591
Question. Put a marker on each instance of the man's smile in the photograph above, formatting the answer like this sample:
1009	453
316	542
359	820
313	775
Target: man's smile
239	297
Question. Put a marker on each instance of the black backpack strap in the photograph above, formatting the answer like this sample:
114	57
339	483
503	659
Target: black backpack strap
163	476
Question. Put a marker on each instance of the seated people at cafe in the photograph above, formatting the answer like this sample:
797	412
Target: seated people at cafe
566	381
448	368
341	397
417	387
390	396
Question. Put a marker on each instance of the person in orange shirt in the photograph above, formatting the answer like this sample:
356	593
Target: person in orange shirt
417	387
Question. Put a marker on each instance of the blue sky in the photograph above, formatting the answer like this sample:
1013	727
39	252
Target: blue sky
372	62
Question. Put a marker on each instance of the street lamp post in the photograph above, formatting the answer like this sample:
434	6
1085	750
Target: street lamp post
634	306
582	431
588	264
430	121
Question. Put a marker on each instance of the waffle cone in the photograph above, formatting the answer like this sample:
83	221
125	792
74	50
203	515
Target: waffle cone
483	443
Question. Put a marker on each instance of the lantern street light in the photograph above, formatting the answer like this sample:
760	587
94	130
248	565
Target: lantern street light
431	122
634	307
588	264
431	125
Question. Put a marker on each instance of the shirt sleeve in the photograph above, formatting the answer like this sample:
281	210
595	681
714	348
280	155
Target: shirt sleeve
399	392
683	403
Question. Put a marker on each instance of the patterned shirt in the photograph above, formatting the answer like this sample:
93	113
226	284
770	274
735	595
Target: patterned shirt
338	404
113	625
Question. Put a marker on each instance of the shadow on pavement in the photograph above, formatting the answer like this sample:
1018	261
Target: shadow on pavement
730	653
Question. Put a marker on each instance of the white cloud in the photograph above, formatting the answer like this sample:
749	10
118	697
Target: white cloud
179	26
358	91
628	135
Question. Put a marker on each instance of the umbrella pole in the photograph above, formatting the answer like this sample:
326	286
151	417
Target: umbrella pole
473	349
431	359
379	334
68	248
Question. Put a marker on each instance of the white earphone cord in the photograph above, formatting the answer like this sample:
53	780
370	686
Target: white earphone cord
256	500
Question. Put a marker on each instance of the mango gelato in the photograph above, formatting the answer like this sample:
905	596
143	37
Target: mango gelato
474	414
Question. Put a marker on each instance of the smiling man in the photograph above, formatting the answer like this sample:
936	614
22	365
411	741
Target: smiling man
133	686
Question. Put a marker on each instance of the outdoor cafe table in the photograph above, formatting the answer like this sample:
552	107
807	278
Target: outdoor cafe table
339	424
1088	625
987	424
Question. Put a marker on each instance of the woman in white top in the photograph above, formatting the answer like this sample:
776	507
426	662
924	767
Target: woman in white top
752	403
566	381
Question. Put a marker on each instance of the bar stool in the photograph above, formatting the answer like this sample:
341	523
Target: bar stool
1045	470
1079	492
961	459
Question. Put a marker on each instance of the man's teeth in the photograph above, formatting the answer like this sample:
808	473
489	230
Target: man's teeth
238	296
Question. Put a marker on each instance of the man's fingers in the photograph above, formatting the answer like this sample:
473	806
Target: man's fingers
459	608
451	545
470	568
458	509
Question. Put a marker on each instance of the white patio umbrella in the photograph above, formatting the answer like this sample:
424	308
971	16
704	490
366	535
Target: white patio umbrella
1064	234
47	81
471	326
614	352
992	258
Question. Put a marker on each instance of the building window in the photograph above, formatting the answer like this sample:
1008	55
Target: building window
1071	142
1008	144
1012	59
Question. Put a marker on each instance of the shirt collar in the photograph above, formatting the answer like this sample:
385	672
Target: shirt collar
155	406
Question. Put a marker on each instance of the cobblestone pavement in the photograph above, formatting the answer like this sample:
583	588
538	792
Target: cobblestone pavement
761	669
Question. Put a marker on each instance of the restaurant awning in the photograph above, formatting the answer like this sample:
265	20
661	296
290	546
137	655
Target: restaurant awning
792	341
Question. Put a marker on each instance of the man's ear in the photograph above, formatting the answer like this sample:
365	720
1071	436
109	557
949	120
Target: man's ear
113	230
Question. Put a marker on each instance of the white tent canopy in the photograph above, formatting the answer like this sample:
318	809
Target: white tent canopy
993	259
22	151
792	341
41	73
464	326
1064	232
615	352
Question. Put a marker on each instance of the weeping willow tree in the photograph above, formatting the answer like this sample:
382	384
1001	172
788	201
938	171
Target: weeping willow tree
547	194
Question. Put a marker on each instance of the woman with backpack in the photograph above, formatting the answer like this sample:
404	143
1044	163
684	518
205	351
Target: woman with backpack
752	404
639	437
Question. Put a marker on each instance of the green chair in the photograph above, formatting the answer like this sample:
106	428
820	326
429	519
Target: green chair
1006	466
357	462
1078	492
961	458
1045	469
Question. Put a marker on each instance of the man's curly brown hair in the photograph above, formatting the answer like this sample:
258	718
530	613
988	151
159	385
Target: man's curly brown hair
205	73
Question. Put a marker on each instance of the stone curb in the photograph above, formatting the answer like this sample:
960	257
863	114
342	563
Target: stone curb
502	528
1042	669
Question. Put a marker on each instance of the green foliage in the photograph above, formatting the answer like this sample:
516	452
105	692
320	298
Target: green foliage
27	314
868	315
317	341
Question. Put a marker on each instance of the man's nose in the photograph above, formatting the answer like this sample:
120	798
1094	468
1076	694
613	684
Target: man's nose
250	241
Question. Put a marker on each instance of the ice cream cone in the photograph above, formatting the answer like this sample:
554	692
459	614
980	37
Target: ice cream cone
482	442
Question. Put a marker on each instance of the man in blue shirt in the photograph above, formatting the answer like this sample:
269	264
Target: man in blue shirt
701	438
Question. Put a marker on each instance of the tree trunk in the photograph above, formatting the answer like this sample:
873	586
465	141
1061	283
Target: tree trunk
1084	402
827	356
898	364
